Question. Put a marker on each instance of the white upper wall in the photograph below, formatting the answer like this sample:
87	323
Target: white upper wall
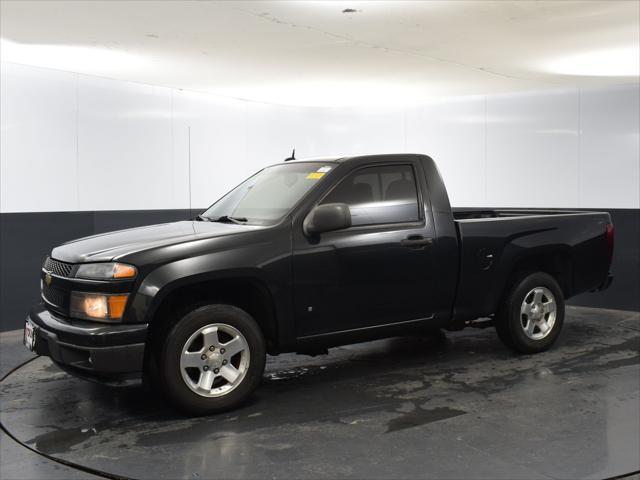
38	140
74	142
125	145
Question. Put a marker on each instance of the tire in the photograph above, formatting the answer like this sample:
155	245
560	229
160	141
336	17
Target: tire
203	349
531	314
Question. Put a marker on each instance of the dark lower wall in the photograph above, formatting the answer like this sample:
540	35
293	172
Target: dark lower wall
25	238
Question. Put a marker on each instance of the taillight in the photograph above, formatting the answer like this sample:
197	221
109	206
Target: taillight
610	232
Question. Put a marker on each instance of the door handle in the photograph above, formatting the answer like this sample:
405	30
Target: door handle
416	241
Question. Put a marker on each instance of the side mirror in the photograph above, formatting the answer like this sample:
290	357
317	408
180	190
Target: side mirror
326	218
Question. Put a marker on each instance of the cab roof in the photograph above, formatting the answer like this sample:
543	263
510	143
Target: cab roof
350	158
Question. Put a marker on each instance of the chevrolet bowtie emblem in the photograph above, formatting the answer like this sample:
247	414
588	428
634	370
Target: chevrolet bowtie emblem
47	278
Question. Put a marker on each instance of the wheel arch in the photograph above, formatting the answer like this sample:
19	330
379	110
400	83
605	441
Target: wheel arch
244	290
555	262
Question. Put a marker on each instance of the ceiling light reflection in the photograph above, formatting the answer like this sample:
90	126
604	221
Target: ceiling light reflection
614	62
93	60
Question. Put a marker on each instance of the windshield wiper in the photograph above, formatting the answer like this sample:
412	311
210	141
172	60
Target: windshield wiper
201	218
229	219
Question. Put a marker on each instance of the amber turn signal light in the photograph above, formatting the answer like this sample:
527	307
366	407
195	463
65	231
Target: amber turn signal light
121	270
116	305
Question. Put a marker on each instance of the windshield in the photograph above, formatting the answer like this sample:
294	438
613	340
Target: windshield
266	197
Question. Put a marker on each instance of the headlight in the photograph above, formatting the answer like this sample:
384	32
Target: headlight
95	306
106	271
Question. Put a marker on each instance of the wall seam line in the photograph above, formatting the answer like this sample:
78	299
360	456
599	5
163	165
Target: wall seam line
486	159
173	156
404	117
77	119
579	166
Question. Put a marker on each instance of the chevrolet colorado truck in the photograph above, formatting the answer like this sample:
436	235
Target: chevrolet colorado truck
302	256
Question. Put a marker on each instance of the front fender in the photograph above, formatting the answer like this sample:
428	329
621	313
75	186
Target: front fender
266	261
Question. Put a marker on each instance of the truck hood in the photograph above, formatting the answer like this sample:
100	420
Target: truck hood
109	246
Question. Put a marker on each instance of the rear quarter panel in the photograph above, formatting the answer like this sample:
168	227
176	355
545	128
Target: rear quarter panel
576	242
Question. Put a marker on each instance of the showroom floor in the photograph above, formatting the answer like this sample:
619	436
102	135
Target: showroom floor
456	405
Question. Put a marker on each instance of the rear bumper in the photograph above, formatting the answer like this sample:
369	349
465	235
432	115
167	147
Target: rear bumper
606	284
103	352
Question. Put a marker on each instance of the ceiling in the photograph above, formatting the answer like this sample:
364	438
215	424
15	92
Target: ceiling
332	53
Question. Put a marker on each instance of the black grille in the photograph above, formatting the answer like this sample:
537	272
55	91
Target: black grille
58	268
54	296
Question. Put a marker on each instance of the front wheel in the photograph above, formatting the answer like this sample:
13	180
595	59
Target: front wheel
532	313
212	359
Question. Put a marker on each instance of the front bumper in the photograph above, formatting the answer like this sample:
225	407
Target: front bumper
110	353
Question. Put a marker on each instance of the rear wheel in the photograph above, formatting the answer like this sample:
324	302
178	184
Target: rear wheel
532	313
212	359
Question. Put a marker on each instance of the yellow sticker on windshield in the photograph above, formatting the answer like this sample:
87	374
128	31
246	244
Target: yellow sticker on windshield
315	175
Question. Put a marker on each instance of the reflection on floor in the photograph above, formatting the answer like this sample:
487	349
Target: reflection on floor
454	405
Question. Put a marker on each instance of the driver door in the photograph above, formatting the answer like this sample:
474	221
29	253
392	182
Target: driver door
378	271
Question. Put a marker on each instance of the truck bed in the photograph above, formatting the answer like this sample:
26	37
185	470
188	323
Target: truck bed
495	243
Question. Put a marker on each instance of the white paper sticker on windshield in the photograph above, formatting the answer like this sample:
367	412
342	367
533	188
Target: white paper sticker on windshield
323	169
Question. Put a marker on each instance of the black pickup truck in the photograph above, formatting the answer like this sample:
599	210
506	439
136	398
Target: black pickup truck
302	256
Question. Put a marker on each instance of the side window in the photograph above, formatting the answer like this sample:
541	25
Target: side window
378	195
